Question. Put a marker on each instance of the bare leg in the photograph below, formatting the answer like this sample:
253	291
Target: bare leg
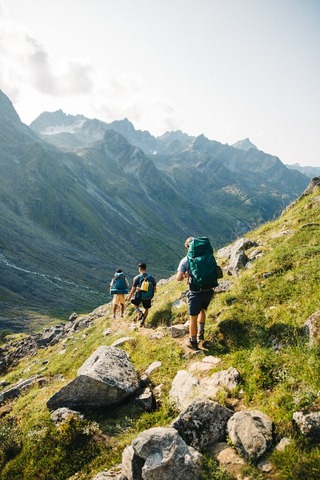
193	328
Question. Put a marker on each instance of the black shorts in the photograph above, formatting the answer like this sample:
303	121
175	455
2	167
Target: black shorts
136	300
198	301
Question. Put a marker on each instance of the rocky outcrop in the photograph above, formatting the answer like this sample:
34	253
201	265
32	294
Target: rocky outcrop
14	350
313	185
160	453
203	424
236	255
250	431
13	391
106	378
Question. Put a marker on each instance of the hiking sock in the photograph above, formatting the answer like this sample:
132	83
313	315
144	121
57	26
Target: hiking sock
201	328
193	339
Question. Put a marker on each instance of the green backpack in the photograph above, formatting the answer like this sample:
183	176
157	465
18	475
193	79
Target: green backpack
202	264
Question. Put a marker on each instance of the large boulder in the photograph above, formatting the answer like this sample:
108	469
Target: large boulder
250	431
160	453
203	424
106	378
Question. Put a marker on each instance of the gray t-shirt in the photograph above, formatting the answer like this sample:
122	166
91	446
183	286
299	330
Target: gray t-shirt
183	265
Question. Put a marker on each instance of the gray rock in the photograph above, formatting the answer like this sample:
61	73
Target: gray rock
113	473
238	261
203	424
154	366
228	459
250	431
228	379
312	328
156	336
121	341
107	377
284	442
15	390
50	336
160	453
177	331
185	389
73	317
146	400
308	423
61	415
240	245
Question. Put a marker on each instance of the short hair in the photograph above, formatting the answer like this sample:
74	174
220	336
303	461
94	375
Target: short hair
119	270
142	265
188	241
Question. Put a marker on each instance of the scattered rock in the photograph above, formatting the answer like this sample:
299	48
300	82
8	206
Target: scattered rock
156	336
73	317
61	415
312	328
146	400
154	366
177	331
228	459
161	453
121	341
228	379
185	389
308	424
113	474
250	431
203	424
284	442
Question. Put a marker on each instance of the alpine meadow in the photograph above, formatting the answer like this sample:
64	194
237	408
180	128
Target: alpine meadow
85	396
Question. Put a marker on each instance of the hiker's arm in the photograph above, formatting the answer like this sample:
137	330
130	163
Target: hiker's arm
180	276
182	271
133	289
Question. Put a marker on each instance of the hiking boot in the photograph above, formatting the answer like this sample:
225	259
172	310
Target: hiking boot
193	345
142	320
200	337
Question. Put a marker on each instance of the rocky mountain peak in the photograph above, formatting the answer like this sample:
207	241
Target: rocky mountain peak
244	144
49	120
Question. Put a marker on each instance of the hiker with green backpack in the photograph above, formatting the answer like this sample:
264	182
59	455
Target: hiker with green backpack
142	291
199	267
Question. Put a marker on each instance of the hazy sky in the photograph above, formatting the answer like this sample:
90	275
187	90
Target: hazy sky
229	69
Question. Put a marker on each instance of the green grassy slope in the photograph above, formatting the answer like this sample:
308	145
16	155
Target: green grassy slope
256	327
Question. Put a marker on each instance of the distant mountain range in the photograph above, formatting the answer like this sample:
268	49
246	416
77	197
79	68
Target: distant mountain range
310	172
80	198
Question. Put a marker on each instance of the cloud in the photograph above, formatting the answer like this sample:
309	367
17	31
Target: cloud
36	81
57	79
26	62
